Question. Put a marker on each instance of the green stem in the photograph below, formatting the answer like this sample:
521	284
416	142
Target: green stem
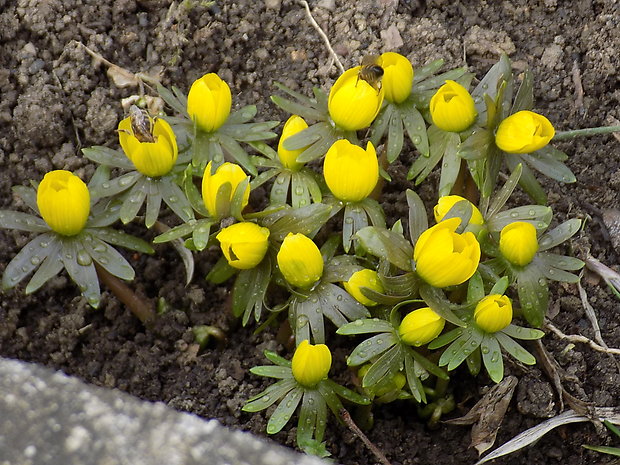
563	135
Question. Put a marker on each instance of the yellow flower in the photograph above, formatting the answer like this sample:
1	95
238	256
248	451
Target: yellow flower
363	278
64	202
244	244
397	76
445	258
524	132
288	158
152	159
446	202
311	363
452	108
300	261
518	243
208	102
211	183
420	327
351	173
493	313
353	103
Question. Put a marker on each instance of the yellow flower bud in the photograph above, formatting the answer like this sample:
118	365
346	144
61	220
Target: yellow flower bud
351	173
363	278
518	243
211	183
493	313
353	103
524	132
64	202
420	327
288	158
152	159
446	202
445	258
452	108
397	77
208	102
300	261
244	244
311	363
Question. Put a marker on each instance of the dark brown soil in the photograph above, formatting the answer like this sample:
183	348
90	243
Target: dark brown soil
54	100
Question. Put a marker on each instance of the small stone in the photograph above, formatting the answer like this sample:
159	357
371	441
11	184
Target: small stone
273	4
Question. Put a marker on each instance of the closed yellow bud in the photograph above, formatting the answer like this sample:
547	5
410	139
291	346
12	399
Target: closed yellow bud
493	313
244	244
397	77
211	183
64	202
445	258
420	327
288	158
363	278
518	243
445	203
208	102
300	261
452	108
153	159
311	363
353	103
351	173
524	132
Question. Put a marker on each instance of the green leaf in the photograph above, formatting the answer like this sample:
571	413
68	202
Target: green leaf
561	233
365	326
250	290
474	362
201	233
475	288
427	364
465	350
84	275
312	422
242	115
355	219
284	411
29	258
338	305
370	348
434	82
300	194
112	236
172	99
538	216
300	109
133	201
394	143
271	371
303	220
492	358
445	338
280	188
416	128
544	163
22	222
561	261
524	100
175	198
476	146
117	185
615	451
380	124
418	221
422	167
388	245
427	70
270	395
414	383
515	349
451	165
237	153
275	358
153	205
108	257
374	211
500	286
490	83
506	191
108	157
527	181
51	266
320	147
533	295
347	394
436	299
385	367
340	268
519	332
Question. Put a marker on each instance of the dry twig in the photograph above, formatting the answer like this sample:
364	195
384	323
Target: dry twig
579	338
323	35
346	417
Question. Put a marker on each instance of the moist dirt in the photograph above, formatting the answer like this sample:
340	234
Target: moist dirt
55	99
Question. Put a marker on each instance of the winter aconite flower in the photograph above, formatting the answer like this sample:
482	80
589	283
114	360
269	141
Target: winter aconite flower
518	243
311	363
353	103
153	159
445	258
493	313
351	173
452	107
363	278
209	101
524	132
227	173
244	244
64	202
420	327
397	77
288	158
300	261
445	203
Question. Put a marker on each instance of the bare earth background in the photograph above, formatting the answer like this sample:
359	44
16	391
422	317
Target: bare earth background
55	99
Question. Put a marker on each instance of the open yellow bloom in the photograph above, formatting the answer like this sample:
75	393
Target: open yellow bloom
452	108
518	243
363	278
493	313
244	244
300	261
288	158
152	159
311	363
445	203
420	327
524	132
64	202
445	258
209	101
211	183
351	173
353	103
397	77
